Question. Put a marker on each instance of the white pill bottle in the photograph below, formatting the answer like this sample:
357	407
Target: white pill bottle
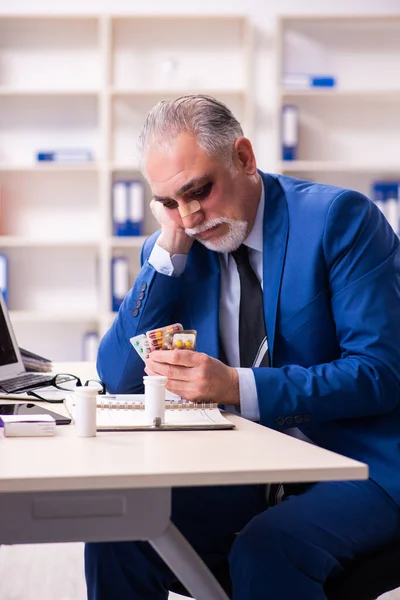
154	399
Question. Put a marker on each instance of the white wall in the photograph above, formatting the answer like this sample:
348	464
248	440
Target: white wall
263	14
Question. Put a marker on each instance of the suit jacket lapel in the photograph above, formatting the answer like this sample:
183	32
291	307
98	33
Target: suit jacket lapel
202	275
275	235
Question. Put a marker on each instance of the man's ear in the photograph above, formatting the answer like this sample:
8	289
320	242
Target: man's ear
243	156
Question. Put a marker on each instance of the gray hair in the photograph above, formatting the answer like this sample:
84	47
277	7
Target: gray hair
209	120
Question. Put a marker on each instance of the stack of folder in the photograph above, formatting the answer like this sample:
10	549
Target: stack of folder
386	195
128	207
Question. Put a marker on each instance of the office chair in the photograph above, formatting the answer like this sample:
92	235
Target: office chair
364	579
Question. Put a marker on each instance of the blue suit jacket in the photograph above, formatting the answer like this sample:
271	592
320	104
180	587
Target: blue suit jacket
331	269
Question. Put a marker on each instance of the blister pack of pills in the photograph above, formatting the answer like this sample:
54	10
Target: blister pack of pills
170	337
181	340
141	345
155	336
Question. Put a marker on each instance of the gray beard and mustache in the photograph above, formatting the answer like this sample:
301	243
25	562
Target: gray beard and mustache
225	243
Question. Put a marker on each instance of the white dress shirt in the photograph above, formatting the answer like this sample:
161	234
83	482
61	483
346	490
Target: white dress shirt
229	303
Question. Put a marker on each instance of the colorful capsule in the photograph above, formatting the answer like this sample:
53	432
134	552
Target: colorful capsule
155	334
156	343
160	332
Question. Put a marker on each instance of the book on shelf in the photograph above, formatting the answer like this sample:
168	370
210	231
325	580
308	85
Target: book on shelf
120	281
290	131
65	155
126	412
136	207
120	208
90	344
304	81
386	195
128	207
4	276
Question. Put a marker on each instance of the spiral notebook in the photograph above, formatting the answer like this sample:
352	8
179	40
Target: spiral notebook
125	412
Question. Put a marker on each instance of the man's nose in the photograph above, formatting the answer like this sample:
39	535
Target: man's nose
192	215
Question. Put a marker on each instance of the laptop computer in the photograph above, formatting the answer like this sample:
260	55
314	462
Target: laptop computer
13	375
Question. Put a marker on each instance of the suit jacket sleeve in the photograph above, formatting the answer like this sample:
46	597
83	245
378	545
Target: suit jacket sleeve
147	305
363	269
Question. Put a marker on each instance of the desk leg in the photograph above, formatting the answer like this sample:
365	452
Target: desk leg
187	565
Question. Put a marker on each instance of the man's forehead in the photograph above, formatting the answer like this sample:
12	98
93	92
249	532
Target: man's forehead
177	152
169	171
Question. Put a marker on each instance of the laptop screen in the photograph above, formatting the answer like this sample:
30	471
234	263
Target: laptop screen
10	357
7	352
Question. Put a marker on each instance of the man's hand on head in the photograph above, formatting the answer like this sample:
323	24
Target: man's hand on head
195	376
173	237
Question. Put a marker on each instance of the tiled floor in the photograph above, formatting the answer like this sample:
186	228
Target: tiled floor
46	572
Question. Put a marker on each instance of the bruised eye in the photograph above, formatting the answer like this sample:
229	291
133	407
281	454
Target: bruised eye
170	204
202	192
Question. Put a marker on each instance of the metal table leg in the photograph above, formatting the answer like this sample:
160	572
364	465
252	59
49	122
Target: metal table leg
187	565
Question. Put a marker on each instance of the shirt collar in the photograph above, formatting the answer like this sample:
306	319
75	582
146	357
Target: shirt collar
255	238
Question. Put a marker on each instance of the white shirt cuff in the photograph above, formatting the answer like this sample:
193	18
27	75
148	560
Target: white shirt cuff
163	263
248	395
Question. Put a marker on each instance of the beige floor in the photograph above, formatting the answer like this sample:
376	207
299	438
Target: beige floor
53	571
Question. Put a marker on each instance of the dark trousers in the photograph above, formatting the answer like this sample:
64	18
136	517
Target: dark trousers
284	553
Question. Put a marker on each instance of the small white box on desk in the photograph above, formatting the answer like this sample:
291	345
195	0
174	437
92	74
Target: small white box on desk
27	425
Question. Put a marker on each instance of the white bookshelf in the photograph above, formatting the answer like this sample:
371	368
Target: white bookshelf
349	135
88	82
31	317
334	93
332	166
49	168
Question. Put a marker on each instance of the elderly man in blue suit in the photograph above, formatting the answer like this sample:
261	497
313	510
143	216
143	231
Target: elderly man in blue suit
294	290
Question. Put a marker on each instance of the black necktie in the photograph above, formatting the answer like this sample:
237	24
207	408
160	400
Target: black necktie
253	343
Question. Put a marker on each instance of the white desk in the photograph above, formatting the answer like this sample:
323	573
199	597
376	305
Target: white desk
75	489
